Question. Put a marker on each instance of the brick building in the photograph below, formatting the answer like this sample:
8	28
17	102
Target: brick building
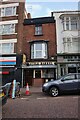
40	48
12	15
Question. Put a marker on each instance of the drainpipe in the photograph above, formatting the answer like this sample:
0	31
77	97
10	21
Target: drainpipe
22	77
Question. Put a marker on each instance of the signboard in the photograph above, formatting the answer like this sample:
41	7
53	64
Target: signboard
8	60
24	59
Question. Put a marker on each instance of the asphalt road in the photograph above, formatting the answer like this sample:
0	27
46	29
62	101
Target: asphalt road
38	105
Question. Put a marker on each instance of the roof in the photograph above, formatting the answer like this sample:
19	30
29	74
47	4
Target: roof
41	20
66	11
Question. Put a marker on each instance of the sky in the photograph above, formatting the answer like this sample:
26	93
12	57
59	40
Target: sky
43	8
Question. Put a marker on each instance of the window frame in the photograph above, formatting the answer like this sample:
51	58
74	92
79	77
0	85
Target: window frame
44	50
38	30
3	11
10	29
67	23
10	48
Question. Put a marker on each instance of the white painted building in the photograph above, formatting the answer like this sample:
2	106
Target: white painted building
68	41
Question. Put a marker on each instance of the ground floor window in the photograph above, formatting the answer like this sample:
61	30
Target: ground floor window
44	73
72	70
48	73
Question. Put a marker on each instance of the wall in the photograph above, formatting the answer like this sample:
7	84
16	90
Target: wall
48	34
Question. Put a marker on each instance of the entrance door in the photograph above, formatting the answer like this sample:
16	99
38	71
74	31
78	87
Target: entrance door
28	74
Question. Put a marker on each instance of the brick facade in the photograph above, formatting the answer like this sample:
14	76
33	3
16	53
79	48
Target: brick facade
48	35
16	38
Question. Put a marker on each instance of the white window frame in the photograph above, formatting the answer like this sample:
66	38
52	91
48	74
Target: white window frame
71	45
67	44
3	11
76	41
64	22
75	23
10	41
4	31
11	46
43	51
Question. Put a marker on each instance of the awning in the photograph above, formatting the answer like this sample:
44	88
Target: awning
39	66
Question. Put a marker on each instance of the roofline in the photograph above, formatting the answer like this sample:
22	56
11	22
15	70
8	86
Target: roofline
65	11
39	18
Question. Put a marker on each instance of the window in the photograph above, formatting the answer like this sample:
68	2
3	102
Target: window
39	50
71	45
48	73
7	11
6	48
74	23
70	23
69	77
67	43
67	23
76	43
7	29
38	30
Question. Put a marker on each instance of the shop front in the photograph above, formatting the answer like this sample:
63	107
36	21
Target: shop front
38	73
10	68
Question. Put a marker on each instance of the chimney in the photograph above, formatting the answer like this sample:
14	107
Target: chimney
28	15
51	14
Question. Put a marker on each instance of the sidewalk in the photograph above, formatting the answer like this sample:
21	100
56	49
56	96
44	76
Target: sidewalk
31	89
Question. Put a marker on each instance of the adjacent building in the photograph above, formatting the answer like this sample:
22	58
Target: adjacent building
12	15
68	41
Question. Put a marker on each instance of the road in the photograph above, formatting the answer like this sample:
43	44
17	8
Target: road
38	105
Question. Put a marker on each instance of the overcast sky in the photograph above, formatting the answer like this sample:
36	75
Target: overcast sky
42	9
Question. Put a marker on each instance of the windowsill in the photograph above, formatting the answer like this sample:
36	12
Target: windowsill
7	53
9	16
38	35
71	30
9	34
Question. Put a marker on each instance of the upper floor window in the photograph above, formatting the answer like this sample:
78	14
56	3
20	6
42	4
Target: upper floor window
76	44
39	50
71	45
7	11
71	23
6	48
67	23
38	30
74	23
67	43
7	29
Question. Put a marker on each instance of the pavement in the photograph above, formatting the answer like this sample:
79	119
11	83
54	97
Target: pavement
31	90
